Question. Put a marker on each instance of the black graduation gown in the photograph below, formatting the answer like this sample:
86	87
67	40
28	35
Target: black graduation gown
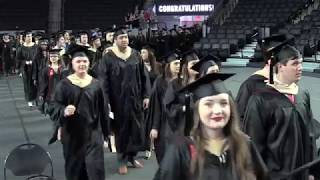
247	88
179	122
303	106
27	54
6	49
278	130
156	118
96	58
49	80
83	133
126	84
40	62
176	163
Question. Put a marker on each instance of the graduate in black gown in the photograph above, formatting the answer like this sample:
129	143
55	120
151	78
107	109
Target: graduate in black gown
25	59
259	78
174	101
6	54
217	149
158	129
50	76
96	53
274	120
40	61
150	62
127	89
108	41
81	120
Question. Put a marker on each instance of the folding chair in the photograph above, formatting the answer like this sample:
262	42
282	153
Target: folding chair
28	160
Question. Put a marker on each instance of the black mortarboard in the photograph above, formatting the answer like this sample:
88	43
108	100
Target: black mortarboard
273	51
120	31
76	50
208	85
170	57
271	41
27	32
202	66
189	55
83	32
44	40
94	36
54	51
108	30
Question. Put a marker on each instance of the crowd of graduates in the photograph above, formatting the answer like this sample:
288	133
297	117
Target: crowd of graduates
145	91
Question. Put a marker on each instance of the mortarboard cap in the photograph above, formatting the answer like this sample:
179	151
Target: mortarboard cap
203	65
271	41
83	32
26	32
94	36
120	31
208	85
76	50
44	40
170	57
108	30
55	51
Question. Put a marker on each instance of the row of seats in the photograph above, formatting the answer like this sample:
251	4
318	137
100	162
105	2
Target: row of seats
238	28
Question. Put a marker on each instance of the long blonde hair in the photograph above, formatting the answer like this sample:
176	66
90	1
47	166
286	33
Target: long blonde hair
237	143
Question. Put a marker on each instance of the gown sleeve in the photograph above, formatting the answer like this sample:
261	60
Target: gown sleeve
59	104
176	162
242	99
146	85
104	116
260	168
103	73
44	83
254	123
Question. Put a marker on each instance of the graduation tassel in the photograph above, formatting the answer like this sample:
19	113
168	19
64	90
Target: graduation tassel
271	69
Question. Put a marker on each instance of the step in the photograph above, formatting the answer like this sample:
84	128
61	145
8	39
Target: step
248	50
246	60
308	69
310	64
234	64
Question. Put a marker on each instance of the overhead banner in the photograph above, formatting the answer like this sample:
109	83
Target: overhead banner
190	8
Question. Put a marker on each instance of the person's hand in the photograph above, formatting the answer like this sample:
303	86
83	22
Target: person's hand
40	98
59	134
146	103
35	82
153	134
69	110
20	74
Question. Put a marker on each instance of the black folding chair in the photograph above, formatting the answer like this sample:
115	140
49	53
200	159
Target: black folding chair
28	160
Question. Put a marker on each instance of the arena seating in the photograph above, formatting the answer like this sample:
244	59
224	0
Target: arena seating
307	34
238	28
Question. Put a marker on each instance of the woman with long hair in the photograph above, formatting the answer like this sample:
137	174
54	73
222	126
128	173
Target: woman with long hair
180	122
149	60
50	76
158	129
217	149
